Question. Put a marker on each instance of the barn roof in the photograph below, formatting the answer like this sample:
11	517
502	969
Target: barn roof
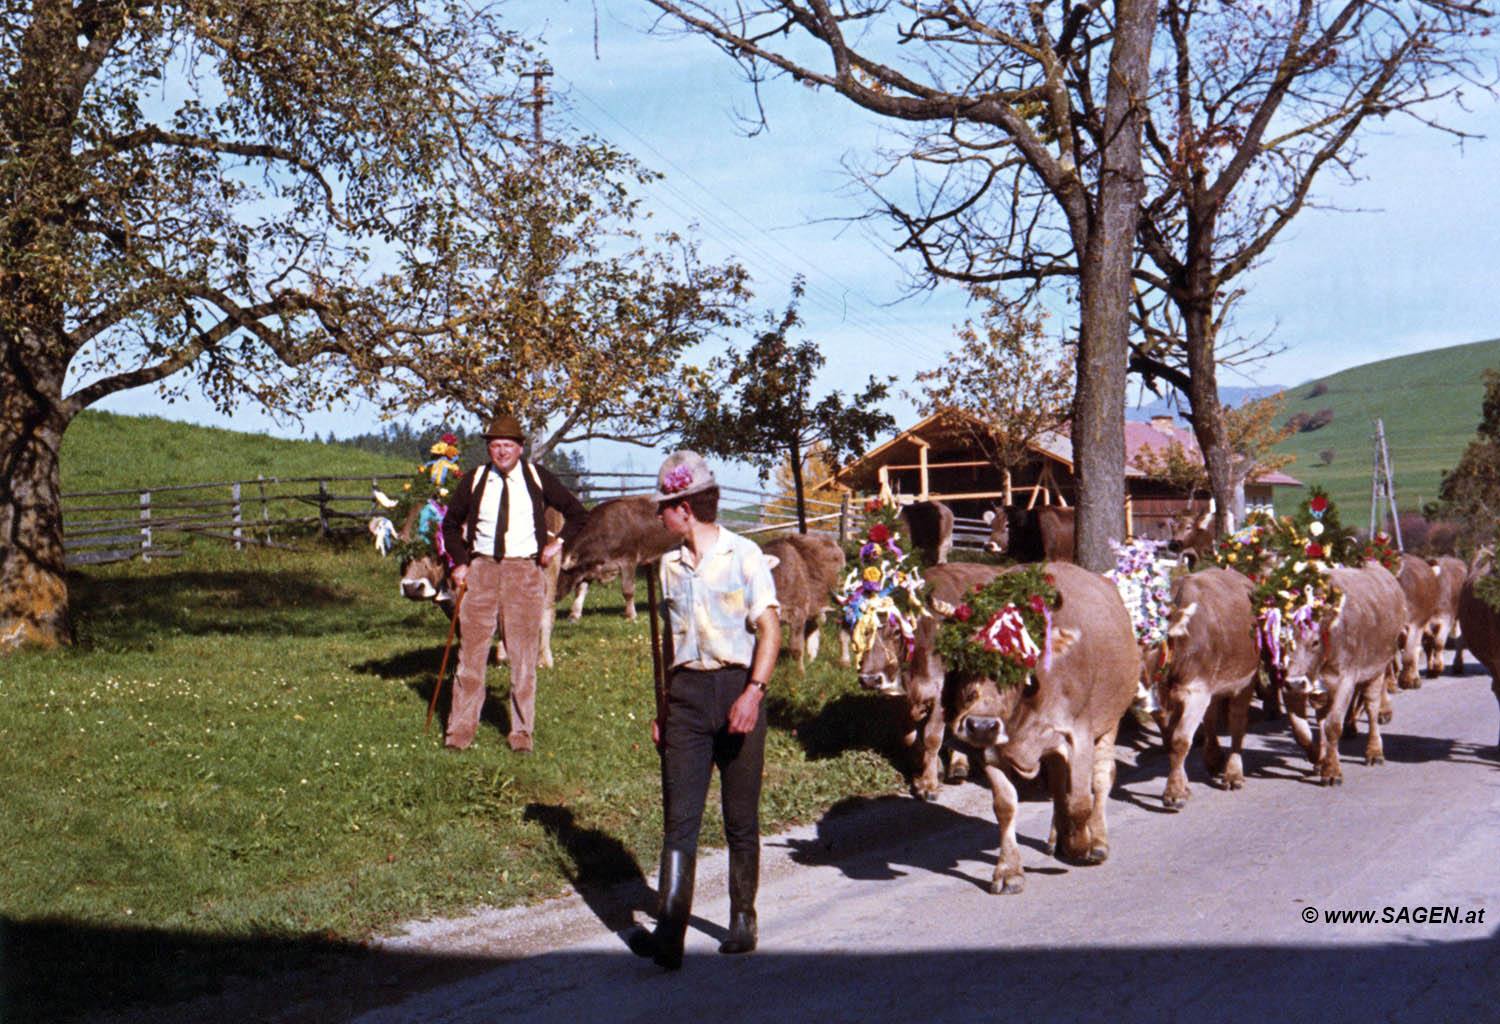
946	433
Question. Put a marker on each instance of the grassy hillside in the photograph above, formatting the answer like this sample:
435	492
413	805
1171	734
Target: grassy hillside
1429	403
106	451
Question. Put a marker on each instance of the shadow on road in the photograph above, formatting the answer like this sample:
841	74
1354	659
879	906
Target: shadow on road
53	972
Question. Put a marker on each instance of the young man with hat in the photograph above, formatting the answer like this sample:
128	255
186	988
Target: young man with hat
496	534
723	634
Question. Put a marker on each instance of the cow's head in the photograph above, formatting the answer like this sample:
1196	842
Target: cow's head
885	655
426	578
978	709
1303	649
998	521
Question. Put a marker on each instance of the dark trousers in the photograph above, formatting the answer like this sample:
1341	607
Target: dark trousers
697	738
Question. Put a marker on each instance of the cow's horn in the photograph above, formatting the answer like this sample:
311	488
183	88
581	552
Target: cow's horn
942	607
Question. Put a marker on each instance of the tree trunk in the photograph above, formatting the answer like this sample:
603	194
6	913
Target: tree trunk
1104	292
33	589
797	487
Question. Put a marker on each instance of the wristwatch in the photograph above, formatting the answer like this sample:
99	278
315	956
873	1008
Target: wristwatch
762	687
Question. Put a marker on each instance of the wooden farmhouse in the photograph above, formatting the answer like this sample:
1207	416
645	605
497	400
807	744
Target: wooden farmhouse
938	460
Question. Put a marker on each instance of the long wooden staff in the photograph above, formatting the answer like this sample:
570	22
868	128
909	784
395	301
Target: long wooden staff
658	671
443	669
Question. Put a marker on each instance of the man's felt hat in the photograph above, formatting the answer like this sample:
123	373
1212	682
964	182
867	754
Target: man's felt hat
682	474
504	425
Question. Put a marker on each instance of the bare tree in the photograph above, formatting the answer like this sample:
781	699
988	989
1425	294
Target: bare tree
1251	104
1026	121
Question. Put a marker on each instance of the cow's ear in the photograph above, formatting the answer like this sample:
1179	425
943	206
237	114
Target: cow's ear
772	561
1063	638
989	516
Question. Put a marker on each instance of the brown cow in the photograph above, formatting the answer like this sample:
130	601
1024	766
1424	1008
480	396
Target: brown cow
1208	663
929	527
918	676
621	534
1065	718
1032	534
1480	622
806	570
1419	582
1348	653
1451	573
1193	539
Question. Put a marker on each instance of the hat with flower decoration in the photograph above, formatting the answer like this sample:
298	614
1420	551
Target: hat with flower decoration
683	473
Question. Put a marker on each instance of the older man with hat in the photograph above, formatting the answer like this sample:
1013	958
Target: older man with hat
496	534
723	632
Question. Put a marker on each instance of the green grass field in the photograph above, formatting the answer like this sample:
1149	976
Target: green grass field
1429	404
234	749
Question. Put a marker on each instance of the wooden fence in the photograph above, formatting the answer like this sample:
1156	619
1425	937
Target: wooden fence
109	526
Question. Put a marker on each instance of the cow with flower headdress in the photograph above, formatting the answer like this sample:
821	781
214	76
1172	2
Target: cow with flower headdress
1330	632
889	623
1039	673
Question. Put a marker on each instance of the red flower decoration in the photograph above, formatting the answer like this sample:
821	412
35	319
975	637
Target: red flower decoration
879	533
1318	504
1315	550
1037	604
449	439
872	505
962	613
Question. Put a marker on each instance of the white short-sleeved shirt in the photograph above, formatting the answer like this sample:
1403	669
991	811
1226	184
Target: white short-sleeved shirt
712	608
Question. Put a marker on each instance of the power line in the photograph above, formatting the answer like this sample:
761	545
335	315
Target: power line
728	234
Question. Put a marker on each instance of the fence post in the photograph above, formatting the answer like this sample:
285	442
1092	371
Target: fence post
234	492
265	510
843	518
323	508
145	526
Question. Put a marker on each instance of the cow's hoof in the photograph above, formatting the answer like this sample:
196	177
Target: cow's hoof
1009	885
927	793
958	773
1172	802
1335	780
1374	759
1384	718
1232	783
1097	855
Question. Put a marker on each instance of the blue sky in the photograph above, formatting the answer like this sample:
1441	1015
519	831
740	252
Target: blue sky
1409	264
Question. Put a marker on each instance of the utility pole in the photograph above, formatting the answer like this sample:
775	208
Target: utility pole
536	103
1382	485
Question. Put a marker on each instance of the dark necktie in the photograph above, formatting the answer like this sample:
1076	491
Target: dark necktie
504	520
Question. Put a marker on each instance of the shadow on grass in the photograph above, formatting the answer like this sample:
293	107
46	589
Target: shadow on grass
62	971
131	612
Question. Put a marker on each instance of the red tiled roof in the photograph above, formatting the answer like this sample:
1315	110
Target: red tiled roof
1158	435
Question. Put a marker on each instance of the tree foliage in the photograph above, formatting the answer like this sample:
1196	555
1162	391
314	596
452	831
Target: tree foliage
1470	492
760	406
292	202
1005	384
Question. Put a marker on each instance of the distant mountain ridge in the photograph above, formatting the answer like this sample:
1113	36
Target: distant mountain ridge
1173	404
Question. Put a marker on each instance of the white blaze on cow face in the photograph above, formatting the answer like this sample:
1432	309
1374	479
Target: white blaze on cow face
880	668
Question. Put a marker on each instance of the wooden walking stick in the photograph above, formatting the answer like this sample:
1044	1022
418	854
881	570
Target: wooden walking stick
443	668
658	670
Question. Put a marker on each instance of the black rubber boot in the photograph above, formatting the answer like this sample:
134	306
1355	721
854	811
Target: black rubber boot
744	881
674	907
